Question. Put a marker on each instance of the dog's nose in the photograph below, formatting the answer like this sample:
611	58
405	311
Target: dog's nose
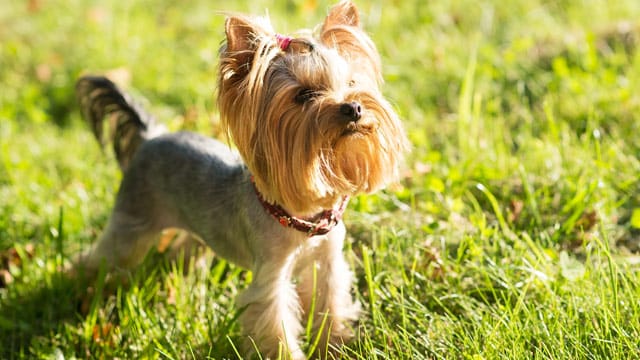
352	110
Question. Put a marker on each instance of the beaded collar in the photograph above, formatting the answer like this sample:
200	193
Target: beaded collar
318	224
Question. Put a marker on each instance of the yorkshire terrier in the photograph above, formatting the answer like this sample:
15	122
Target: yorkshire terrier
312	128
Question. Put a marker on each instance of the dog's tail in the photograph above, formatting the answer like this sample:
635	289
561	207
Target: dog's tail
128	124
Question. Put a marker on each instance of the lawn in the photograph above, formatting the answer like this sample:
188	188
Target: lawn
514	231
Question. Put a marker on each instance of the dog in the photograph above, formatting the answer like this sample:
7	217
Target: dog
311	128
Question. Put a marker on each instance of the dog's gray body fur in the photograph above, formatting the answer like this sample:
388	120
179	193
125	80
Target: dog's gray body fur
185	180
217	204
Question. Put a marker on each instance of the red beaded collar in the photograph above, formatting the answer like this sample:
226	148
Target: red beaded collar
318	224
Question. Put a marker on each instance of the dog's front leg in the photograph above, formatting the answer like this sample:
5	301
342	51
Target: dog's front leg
325	281
271	311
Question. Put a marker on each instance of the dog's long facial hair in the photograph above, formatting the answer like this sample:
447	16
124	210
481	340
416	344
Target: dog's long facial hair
309	118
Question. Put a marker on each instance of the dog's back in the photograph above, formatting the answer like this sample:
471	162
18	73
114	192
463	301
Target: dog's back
171	180
128	124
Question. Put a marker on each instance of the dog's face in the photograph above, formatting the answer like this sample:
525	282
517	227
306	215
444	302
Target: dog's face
308	117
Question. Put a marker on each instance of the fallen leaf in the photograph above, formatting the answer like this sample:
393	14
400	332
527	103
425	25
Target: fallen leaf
103	334
515	210
166	238
587	221
5	278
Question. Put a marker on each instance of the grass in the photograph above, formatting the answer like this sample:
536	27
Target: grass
513	233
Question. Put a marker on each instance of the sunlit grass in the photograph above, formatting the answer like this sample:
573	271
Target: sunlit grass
513	233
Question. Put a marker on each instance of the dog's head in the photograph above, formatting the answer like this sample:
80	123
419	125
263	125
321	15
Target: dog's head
306	113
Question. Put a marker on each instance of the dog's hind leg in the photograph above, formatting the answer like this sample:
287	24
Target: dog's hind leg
123	245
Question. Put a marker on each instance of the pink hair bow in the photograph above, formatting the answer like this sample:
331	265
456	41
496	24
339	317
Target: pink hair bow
283	41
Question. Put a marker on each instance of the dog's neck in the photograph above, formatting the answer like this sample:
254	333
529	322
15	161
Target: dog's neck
318	224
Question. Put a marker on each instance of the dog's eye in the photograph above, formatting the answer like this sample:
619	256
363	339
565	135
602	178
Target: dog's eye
305	95
351	83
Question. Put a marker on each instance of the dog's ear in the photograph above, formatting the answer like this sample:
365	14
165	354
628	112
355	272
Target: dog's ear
341	14
240	34
342	31
239	49
244	35
341	28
